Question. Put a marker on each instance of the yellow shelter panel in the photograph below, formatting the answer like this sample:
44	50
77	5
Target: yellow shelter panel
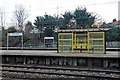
80	41
65	42
84	42
96	42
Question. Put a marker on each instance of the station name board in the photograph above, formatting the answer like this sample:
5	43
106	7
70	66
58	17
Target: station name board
15	34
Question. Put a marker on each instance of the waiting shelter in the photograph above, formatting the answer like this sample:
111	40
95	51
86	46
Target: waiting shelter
82	40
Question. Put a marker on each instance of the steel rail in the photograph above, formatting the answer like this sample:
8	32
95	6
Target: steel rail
63	68
66	74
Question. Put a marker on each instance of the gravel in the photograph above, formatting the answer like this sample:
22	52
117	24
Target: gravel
36	75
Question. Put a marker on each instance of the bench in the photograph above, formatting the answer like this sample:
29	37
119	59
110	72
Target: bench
81	49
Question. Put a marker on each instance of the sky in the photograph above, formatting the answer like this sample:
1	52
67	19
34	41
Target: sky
106	9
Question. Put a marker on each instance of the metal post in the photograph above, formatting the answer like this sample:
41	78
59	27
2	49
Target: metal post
53	42
22	41
7	41
81	48
58	42
104	42
44	42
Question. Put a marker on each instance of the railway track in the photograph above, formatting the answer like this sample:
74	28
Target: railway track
59	72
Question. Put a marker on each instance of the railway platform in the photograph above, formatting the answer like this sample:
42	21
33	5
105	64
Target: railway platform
109	54
110	60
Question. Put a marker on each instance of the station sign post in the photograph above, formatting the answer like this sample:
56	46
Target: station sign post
14	34
48	38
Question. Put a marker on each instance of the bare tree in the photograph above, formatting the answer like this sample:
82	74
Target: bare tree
21	14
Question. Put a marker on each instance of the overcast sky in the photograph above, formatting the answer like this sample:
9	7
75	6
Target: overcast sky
107	9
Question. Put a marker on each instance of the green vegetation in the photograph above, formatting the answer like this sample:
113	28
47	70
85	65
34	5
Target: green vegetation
46	25
83	18
113	34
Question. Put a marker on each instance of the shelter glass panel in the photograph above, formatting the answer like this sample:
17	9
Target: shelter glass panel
65	42
96	42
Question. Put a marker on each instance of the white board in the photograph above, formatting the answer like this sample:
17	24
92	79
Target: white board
48	37
15	34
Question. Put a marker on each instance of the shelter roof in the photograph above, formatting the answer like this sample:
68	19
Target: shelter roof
84	30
